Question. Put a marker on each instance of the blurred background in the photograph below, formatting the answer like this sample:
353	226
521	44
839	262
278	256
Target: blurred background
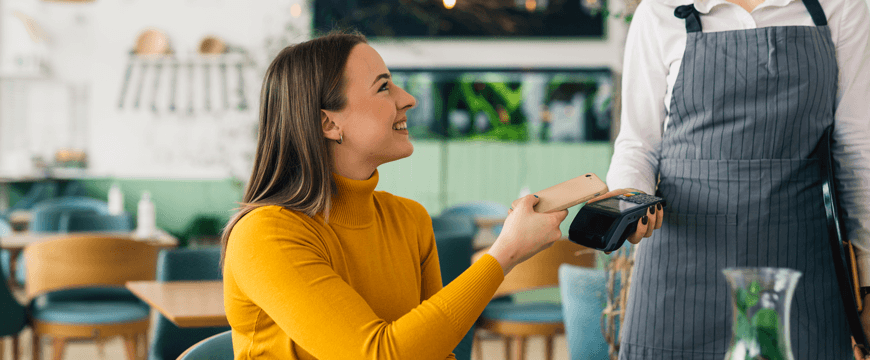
161	95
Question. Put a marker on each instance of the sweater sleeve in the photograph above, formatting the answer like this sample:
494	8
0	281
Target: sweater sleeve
286	272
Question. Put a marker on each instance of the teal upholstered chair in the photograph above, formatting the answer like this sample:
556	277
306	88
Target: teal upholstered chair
72	266
478	208
454	235
38	192
46	215
216	347
12	317
5	256
72	222
169	341
583	299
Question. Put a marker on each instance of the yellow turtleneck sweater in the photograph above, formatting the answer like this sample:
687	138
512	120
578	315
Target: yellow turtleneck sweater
365	285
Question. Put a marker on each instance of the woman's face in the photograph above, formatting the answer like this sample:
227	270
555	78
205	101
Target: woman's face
373	123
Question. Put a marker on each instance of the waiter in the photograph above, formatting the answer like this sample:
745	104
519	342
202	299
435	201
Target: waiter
724	102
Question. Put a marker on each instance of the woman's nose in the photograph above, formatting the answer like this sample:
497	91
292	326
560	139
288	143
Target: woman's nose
405	100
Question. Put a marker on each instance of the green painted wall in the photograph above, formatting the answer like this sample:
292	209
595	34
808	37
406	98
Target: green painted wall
437	175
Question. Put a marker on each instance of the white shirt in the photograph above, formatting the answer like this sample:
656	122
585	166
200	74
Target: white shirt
654	50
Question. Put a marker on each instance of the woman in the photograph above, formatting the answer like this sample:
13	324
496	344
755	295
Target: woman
724	103
319	265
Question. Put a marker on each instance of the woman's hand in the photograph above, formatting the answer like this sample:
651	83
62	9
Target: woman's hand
525	233
647	224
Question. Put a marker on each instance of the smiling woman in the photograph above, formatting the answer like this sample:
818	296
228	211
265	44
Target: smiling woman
318	265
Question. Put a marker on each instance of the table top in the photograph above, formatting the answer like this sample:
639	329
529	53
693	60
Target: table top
19	240
185	303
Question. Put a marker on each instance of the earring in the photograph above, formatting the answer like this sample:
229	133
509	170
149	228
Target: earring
340	139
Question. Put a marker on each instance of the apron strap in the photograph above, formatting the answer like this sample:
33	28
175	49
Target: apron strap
693	17
816	12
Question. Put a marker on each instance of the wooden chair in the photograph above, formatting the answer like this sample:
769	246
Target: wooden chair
517	321
87	274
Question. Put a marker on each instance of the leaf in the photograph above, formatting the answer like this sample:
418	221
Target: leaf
766	318
754	287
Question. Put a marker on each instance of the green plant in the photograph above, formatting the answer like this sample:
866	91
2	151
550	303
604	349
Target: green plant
758	336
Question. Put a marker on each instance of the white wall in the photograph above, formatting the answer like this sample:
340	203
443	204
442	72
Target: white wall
88	55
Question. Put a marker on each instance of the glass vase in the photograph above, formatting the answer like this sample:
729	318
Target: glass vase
761	302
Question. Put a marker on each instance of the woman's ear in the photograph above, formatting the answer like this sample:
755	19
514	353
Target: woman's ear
330	128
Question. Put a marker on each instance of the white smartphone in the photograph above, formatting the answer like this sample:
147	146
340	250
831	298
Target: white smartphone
569	193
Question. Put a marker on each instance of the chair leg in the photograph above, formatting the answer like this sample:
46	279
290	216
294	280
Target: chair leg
476	346
130	346
142	349
548	347
100	343
36	345
16	351
58	345
520	348
507	347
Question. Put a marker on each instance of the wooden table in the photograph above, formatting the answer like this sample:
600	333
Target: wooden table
185	303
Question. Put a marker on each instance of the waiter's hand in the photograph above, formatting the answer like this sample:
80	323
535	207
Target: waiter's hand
865	323
645	226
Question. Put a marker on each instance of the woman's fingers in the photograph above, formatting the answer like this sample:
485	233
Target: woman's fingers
660	215
651	214
640	233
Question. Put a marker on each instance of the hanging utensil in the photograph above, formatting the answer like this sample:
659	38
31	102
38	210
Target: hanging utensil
210	46
190	89
172	86
138	94
157	70
243	102
225	92
126	82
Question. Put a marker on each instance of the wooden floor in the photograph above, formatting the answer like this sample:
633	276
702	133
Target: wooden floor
114	349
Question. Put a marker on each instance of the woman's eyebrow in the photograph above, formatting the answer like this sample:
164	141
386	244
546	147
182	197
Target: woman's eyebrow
381	76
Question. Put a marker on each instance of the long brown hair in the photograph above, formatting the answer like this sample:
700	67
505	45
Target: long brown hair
293	165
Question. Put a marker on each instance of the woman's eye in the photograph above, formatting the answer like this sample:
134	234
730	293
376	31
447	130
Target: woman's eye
385	86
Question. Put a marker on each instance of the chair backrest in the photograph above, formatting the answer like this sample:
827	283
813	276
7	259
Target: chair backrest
71	222
583	293
80	261
542	270
479	208
46	214
189	264
12	317
454	237
38	192
183	265
216	347
5	228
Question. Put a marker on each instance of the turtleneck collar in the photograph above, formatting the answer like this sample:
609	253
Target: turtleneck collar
353	204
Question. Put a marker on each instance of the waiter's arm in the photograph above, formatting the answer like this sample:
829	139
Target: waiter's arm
852	126
644	85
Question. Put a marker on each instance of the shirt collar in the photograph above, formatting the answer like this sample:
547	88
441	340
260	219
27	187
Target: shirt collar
704	6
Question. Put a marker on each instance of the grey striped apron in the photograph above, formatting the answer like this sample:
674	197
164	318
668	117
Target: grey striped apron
737	169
